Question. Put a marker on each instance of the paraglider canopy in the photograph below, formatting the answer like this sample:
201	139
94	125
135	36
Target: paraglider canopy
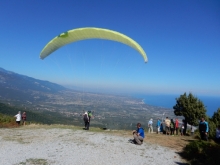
89	33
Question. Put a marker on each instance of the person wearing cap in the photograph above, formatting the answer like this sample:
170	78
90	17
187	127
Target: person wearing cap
150	126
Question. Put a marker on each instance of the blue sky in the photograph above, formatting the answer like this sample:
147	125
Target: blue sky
181	39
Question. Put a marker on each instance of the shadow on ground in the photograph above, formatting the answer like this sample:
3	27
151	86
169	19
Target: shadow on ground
180	163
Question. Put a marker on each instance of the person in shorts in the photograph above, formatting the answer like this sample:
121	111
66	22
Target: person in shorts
18	118
167	126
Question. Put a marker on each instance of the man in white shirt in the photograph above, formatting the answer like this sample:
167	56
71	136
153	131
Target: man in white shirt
18	118
150	126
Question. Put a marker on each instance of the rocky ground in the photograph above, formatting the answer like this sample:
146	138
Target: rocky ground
45	145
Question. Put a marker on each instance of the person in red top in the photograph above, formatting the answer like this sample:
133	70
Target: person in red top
176	126
24	117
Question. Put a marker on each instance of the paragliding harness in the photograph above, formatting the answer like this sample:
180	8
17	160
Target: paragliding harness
89	114
171	125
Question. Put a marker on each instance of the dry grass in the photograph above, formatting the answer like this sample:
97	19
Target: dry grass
175	142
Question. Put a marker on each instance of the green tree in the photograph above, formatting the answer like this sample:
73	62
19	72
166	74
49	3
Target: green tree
216	117
191	108
213	123
212	128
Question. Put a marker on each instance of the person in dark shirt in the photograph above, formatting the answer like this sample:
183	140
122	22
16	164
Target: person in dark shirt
217	135
86	120
203	129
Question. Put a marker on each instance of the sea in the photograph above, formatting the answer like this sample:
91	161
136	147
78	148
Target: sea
212	103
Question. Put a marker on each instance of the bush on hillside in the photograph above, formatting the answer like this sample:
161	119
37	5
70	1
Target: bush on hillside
7	121
212	129
202	153
216	117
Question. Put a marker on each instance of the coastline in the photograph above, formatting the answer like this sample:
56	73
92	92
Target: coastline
168	101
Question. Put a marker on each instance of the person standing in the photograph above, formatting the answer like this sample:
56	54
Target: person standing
158	126
192	130
138	135
176	126
217	135
24	117
182	127
172	125
203	129
150	126
18	118
89	116
161	128
86	120
167	126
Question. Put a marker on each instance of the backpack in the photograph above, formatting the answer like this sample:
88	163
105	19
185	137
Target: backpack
171	125
89	114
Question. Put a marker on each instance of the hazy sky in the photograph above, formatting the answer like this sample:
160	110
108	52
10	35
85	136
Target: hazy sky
181	39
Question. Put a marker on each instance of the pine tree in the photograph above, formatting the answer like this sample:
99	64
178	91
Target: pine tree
216	117
191	108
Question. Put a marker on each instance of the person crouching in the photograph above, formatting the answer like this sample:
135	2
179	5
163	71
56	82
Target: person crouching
138	134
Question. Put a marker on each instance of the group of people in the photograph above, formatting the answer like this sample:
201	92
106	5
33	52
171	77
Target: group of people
21	117
170	126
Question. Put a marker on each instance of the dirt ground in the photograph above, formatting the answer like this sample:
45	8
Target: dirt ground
62	144
176	142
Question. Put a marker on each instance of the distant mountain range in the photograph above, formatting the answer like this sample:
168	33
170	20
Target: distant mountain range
15	86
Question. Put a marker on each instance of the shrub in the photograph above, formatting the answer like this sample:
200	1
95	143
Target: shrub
202	152
6	120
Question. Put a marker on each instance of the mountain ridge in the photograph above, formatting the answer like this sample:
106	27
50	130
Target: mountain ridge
17	86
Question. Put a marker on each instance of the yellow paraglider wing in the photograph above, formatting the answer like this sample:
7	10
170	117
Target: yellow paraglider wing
89	33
